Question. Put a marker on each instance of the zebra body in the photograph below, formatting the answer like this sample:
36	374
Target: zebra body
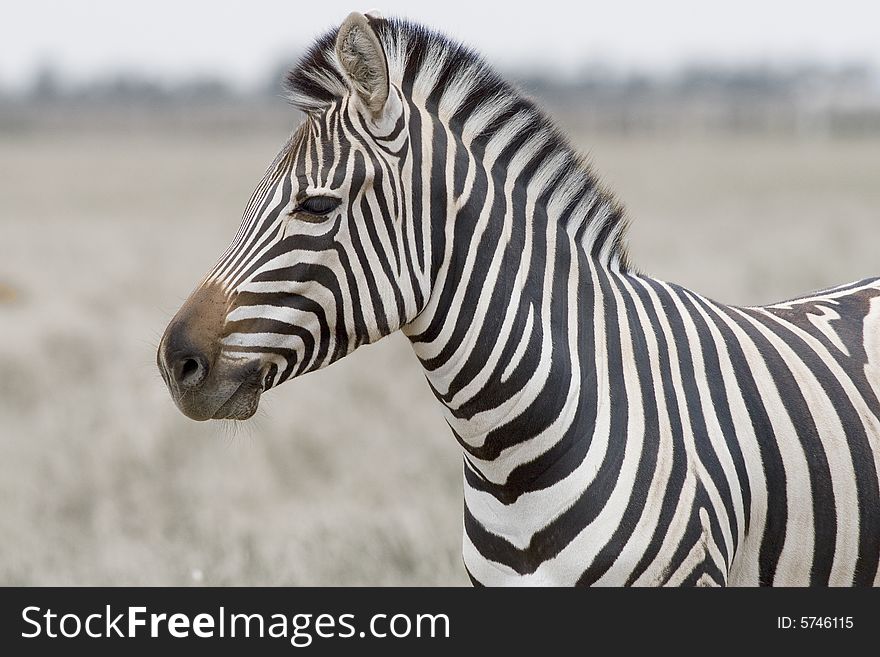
727	446
616	429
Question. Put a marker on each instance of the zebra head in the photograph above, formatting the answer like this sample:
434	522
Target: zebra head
324	259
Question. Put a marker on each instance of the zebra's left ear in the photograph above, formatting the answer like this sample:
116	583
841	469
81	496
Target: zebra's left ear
364	63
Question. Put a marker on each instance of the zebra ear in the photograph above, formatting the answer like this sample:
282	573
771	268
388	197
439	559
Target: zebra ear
363	60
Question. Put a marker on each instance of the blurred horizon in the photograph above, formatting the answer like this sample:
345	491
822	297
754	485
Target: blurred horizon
48	80
804	98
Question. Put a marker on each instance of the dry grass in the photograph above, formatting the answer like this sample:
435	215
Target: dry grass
102	481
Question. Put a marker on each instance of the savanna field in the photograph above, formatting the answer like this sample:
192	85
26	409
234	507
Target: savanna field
348	476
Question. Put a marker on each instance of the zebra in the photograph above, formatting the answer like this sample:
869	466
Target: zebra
616	429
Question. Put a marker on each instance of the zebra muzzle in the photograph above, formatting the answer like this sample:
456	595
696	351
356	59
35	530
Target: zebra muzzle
204	383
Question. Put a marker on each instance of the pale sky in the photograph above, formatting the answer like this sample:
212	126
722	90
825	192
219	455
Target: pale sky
241	40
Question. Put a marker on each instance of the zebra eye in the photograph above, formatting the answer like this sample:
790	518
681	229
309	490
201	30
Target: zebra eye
318	206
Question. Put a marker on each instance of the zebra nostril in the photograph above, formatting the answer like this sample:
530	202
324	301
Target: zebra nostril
190	371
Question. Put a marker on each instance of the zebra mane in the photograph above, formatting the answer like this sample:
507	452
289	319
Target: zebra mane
457	84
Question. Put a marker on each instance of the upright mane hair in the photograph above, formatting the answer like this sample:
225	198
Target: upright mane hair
458	86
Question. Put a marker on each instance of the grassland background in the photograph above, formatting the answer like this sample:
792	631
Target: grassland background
347	476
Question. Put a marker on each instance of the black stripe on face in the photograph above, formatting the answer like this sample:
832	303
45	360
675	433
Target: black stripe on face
341	151
364	219
381	173
266	325
380	251
273	247
395	132
270	227
406	223
316	152
289	355
252	224
357	241
263	325
325	277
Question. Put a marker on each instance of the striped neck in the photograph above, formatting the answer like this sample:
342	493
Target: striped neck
514	359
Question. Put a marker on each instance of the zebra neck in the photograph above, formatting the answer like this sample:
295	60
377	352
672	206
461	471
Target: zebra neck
512	356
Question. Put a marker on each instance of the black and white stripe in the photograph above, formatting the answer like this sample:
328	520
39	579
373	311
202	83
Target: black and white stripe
616	429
